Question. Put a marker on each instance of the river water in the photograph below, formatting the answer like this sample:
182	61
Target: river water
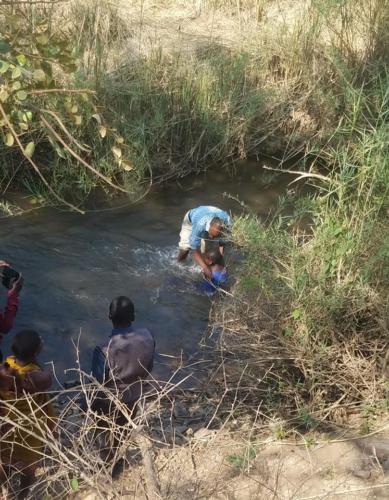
75	264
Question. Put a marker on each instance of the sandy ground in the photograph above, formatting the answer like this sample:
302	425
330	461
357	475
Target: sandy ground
212	466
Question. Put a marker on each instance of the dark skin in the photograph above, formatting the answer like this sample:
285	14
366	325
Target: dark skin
214	232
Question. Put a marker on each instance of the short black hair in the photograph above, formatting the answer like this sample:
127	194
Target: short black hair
121	311
25	345
217	221
215	256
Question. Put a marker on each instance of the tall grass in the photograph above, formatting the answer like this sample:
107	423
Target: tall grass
311	305
279	89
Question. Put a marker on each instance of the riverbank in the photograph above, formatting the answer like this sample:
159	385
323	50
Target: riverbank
183	85
303	338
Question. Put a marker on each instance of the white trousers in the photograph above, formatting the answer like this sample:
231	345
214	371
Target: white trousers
186	230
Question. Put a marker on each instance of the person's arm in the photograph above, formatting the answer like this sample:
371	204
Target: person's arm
8	316
198	258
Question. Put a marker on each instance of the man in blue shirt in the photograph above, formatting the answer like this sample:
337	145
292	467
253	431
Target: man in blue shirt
202	224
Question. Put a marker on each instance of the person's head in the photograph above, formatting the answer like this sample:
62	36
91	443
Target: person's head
216	227
26	345
213	257
121	312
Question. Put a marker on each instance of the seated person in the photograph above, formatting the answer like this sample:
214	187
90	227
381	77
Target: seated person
219	275
20	448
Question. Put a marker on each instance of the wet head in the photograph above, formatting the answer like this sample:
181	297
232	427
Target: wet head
216	228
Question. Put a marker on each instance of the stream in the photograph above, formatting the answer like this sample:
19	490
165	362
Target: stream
74	265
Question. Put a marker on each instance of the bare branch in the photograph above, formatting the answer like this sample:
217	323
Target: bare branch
81	160
69	135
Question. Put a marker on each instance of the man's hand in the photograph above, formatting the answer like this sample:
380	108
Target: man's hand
198	258
207	272
18	285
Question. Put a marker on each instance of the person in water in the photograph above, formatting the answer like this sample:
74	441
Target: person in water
8	316
215	261
122	362
26	419
200	225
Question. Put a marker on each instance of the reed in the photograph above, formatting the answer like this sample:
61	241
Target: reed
279	86
309	318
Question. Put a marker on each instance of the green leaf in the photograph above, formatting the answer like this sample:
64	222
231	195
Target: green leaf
296	314
97	117
3	67
287	331
39	75
29	149
117	152
127	165
102	131
9	139
3	95
16	73
54	50
77	119
23	126
4	46
21	95
21	58
60	152
42	39
74	109
70	68
74	484
16	85
28	115
47	68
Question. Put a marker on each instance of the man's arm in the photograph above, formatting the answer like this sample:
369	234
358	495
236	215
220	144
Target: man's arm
198	258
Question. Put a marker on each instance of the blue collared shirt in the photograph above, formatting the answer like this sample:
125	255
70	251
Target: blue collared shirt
201	218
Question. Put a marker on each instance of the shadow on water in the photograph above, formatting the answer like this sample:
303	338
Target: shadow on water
74	265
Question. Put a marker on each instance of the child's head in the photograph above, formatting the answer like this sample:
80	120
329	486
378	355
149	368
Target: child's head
121	312
213	257
26	345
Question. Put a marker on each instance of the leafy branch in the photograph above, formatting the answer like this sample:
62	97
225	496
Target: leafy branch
35	108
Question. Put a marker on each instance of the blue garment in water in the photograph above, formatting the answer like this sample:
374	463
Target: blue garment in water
218	280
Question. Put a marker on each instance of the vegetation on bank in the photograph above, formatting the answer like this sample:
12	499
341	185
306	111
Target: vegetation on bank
165	113
306	335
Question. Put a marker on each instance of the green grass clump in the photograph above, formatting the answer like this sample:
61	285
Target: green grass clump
281	90
315	286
